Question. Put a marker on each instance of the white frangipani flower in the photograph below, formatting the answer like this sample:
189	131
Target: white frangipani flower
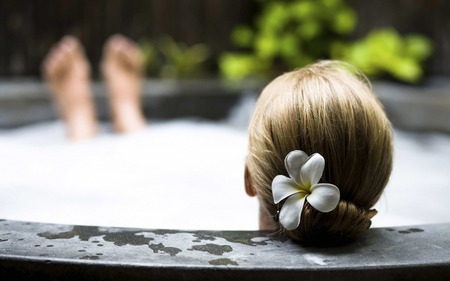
303	182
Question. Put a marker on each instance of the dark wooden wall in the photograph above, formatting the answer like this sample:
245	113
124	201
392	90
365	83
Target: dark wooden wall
28	28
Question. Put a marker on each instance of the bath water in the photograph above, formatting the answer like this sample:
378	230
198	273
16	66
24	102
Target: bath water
183	174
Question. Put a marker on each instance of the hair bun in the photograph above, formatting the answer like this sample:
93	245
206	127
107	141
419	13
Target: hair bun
341	226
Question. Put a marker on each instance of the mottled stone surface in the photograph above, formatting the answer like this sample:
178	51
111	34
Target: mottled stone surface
71	252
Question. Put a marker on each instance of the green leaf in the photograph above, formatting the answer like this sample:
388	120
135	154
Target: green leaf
332	4
289	46
344	21
266	46
309	29
407	70
418	47
303	10
273	18
237	66
242	36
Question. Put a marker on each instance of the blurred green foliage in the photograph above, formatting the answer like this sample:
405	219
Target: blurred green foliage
386	51
168	59
291	34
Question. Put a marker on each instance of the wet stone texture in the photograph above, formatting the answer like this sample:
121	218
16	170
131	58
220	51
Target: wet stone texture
34	248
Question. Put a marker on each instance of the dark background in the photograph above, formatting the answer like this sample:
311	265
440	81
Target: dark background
29	28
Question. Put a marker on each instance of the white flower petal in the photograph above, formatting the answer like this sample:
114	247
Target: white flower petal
292	210
283	187
311	172
294	162
324	197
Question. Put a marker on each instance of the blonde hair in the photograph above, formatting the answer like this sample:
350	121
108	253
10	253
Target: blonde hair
329	108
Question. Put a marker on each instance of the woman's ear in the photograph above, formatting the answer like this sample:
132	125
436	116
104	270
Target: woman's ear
249	189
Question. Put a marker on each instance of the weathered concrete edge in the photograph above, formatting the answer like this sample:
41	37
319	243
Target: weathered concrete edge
33	269
403	252
21	269
131	264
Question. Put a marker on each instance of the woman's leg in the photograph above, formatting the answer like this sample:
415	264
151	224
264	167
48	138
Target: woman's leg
122	67
67	73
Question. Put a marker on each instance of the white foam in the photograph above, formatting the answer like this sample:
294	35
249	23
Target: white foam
182	175
419	187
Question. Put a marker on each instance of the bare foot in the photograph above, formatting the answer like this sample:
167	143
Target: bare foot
122	67
67	72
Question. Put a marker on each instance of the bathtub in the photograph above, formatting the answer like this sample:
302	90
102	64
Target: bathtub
168	202
184	173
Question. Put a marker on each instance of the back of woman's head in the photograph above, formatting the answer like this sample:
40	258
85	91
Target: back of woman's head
326	108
